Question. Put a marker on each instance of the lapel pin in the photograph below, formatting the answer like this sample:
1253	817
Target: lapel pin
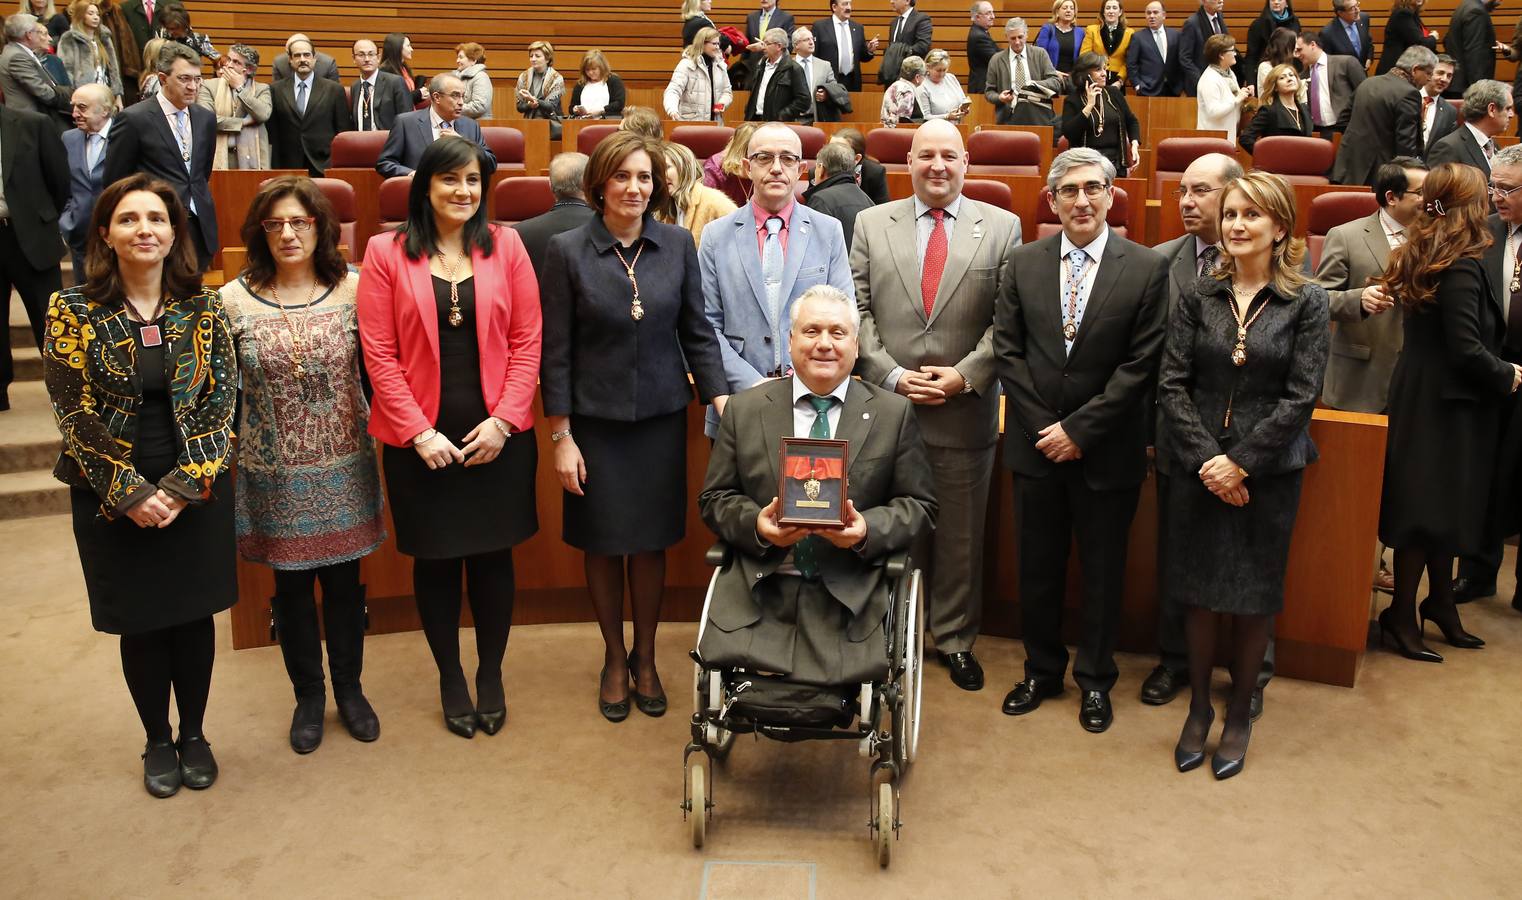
977	232
866	415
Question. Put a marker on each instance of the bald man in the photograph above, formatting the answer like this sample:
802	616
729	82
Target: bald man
85	143
927	333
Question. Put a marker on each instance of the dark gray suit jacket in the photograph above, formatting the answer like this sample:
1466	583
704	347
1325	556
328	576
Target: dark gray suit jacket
1471	39
1183	272
536	232
391	98
84	186
305	141
32	162
324	67
1383	122
1458	146
410	136
889	484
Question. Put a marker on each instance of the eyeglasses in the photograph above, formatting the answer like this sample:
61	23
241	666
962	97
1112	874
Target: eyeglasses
187	80
1197	192
298	224
1501	193
763	158
1093	190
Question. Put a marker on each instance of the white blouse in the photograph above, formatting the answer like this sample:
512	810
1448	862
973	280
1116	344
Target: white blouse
594	97
1219	108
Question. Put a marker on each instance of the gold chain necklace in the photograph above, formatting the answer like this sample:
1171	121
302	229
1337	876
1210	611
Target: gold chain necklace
636	311
456	318
1239	352
299	337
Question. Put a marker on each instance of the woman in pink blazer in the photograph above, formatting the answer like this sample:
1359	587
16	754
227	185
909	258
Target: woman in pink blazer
450	324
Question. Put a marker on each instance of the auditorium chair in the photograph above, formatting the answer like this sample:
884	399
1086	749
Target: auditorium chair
812	138
890	146
1299	160
1330	210
1047	223
519	198
1176	153
986	190
589	137
703	140
1003	153
507	145
357	149
392	201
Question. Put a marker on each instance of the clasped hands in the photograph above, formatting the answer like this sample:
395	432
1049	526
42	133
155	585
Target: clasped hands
1225	478
770	531
482	445
930	385
159	510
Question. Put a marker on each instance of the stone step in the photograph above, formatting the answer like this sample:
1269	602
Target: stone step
21	333
34	493
28	361
28	432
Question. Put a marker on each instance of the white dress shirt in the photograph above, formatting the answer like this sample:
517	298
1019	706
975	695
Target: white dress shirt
803	413
766	79
1395	232
843	39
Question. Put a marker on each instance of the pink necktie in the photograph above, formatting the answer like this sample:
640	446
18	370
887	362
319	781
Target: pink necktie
935	261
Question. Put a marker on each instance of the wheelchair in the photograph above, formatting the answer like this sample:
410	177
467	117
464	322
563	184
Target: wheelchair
882	717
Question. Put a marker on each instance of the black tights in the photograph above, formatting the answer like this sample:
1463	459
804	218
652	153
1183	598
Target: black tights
339	579
177	657
645	575
1409	563
1249	643
436	583
343	619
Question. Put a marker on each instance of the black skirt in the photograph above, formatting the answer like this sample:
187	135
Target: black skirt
461	511
636	490
1226	558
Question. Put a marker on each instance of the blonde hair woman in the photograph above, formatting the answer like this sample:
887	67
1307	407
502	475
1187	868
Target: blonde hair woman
148	82
939	95
1220	97
88	50
689	202
1061	37
540	87
599	94
1111	39
1245	356
699	90
725	170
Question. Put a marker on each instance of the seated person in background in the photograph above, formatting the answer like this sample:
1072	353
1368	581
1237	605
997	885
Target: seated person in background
414	131
939	95
689	202
1282	112
835	191
809	603
643	121
725	170
900	103
599	94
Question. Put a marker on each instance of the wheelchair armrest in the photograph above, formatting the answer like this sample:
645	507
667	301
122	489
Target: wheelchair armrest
718	555
896	565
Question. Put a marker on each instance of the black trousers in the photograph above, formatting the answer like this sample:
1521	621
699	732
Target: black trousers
1173	652
35	287
1053	512
1483	567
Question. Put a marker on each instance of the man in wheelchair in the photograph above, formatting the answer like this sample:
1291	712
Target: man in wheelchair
809	603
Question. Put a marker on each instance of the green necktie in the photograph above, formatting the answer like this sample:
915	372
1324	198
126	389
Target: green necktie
806	551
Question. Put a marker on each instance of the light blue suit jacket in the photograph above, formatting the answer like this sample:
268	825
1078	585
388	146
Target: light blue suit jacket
84	187
734	296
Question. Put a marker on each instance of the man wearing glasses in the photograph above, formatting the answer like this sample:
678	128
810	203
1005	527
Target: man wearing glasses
377	97
779	89
758	259
1078	336
26	84
412	132
181	154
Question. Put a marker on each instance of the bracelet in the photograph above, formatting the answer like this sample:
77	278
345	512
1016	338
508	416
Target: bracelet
425	437
557	435
501	426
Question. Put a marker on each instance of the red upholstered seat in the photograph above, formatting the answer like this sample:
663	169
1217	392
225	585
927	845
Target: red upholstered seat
519	198
357	149
506	145
994	193
1332	209
890	146
703	140
392	200
1004	153
1047	223
812	138
1300	160
589	137
1176	153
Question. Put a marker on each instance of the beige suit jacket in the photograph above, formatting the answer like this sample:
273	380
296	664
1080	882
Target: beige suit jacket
1364	347
895	332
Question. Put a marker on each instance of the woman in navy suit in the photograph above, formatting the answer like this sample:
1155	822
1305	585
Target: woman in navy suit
623	323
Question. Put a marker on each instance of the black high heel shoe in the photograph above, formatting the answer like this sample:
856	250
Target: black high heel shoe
613	712
1453	629
1188	760
490	693
1224	768
1420	653
654	705
463	724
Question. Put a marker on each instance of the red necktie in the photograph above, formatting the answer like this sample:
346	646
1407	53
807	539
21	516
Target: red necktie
935	261
148	11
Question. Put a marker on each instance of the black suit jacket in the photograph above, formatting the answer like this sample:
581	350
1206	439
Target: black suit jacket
1272	120
389	99
1444	119
36	172
300	141
142	141
1191	48
1470	40
1334	40
980	49
874	181
827	48
1403	30
915	32
1459	146
536	232
787	94
1100	392
1382	122
413	132
781	18
1145	68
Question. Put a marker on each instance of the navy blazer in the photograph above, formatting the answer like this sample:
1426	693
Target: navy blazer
412	134
142	141
827	48
84	186
597	360
1334	39
1145	68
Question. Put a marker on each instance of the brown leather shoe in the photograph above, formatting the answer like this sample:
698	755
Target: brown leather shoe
1384	581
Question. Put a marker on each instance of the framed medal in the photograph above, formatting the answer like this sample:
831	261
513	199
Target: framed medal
813	482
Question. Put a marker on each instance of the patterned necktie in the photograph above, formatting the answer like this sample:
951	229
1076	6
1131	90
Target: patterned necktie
1078	264
1426	108
806	551
771	280
1208	261
1490	150
1513	341
935	261
365	123
1020	77
301	97
182	134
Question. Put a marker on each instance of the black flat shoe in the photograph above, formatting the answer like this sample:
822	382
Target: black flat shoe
613	712
161	769
966	673
491	722
358	716
198	768
1189	760
1419	652
306	723
653	705
1224	768
1096	714
1162	686
1450	625
1467	590
1028	694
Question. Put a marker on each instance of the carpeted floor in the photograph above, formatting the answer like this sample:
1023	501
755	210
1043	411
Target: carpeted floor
1407	786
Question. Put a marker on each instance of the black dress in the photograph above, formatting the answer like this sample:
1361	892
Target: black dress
1110	128
1217	556
1273	119
1446	401
143	579
461	510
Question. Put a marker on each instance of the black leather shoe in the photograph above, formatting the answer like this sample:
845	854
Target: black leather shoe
464	726
1163	685
1028	695
357	714
965	671
1417	651
161	769
1466	590
1224	768
1255	706
652	705
613	712
491	722
1096	714
306	723
1186	760
198	768
1448	622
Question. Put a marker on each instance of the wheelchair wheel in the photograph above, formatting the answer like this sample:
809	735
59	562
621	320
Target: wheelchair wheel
906	715
697	814
883	824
